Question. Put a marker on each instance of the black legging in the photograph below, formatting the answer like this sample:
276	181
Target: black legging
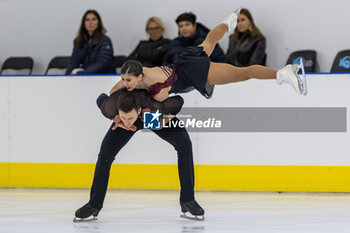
115	140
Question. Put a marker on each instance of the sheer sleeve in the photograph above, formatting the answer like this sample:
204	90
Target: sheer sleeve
108	105
109	108
172	105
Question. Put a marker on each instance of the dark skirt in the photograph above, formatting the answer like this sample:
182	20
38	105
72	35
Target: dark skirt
192	67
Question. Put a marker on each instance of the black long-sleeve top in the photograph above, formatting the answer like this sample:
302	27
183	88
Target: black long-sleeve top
108	104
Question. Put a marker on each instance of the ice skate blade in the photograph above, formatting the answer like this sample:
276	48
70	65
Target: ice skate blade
192	217
302	78
89	219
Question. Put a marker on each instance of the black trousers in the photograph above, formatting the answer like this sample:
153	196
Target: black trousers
115	140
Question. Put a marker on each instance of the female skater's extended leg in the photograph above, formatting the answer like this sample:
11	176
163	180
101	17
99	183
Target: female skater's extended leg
213	38
218	32
224	73
221	73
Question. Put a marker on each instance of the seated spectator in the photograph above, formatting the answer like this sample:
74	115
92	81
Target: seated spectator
191	33
247	44
151	52
93	50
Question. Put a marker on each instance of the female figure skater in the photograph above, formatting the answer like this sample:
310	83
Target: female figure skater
193	70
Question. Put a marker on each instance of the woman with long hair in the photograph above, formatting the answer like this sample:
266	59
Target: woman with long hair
247	45
93	50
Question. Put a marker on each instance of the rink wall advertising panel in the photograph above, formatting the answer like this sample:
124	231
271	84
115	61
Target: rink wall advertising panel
51	131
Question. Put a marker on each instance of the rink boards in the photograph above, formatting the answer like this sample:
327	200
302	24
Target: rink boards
51	130
164	176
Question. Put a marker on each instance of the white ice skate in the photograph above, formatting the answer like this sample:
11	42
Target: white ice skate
89	219
192	217
231	20
289	74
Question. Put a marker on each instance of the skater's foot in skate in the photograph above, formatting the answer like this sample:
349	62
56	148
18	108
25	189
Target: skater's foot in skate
86	213
289	74
231	20
192	210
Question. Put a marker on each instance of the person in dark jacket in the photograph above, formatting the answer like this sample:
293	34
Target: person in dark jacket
191	33
247	44
93	50
151	52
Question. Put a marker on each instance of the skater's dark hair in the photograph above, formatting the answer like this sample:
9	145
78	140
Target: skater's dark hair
254	30
82	36
132	67
127	102
188	16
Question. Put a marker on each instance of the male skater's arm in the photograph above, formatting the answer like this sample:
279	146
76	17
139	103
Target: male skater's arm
171	105
108	106
109	109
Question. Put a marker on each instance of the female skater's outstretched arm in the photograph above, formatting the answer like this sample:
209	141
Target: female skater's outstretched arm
116	87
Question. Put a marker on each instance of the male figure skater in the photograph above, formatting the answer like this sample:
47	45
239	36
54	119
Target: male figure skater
127	106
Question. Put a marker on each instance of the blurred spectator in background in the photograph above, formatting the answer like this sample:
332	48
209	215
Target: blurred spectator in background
191	33
151	52
247	44
93	50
